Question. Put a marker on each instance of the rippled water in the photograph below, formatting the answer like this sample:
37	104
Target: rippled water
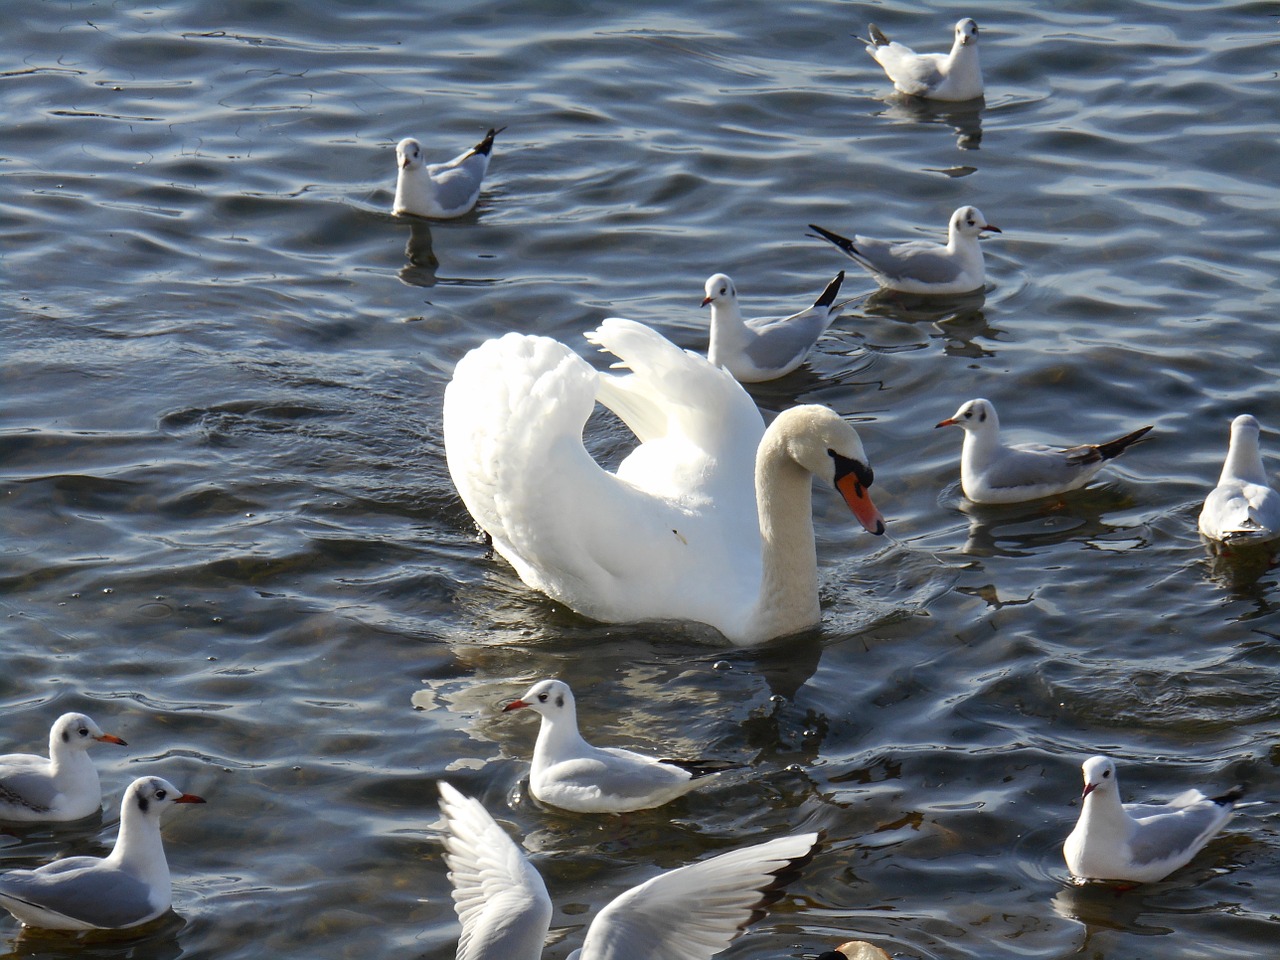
231	538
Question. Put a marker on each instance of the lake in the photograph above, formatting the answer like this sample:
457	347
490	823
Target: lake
231	538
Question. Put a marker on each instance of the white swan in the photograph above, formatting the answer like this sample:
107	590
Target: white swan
675	533
1243	507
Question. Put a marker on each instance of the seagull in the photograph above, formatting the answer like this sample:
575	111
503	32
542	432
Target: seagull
935	76
764	348
440	190
993	473
128	887
1242	508
571	774
1139	842
64	787
922	266
689	913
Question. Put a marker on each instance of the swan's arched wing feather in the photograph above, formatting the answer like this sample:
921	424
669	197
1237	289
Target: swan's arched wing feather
669	390
498	895
695	912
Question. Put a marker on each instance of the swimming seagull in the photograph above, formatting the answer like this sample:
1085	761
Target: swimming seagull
64	787
571	774
922	266
993	473
689	913
1242	508
128	887
1140	842
935	76
440	190
764	348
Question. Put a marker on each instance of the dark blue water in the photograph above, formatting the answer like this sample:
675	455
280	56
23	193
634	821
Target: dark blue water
229	534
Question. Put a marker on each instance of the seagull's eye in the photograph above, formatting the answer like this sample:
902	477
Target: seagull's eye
1106	774
160	794
542	698
84	732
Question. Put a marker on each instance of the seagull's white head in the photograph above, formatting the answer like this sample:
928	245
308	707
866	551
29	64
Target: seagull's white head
719	289
1099	776
409	154
151	796
551	698
967	32
974	416
1245	424
77	731
969	222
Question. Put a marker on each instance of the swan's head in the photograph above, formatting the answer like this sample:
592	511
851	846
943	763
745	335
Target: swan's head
409	154
551	698
78	732
819	440
966	32
1099	776
974	416
718	289
969	222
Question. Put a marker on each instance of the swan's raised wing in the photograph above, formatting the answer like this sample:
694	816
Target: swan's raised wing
695	912
499	897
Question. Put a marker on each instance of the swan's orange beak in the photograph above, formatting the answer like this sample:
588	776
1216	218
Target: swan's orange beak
856	496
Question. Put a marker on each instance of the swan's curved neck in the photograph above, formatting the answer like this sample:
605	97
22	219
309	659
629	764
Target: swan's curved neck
788	599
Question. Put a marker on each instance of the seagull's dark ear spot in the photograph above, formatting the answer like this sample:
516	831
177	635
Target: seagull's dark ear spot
66	737
982	417
560	700
143	803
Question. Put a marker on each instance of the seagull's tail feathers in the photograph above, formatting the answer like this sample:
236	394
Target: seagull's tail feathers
1113	448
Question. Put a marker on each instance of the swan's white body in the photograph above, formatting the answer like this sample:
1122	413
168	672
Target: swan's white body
689	913
1139	842
440	190
675	533
128	887
63	787
1243	507
571	774
956	75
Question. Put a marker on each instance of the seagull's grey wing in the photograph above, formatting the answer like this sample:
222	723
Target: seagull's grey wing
498	895
911	72
915	260
1083	454
1028	465
696	911
1175	834
32	789
457	186
779	342
83	889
